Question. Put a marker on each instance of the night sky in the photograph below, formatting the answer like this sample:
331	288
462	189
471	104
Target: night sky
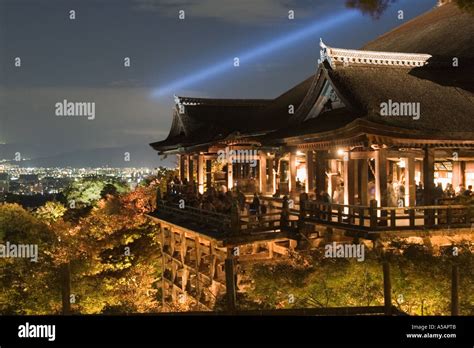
83	60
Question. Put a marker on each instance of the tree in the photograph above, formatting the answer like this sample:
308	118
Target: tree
111	252
420	282
89	191
51	211
27	287
374	8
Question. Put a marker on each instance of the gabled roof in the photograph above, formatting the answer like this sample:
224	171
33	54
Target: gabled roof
198	121
403	72
442	108
446	31
209	120
363	87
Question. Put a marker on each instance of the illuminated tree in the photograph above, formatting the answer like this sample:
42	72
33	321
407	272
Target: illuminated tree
90	191
27	287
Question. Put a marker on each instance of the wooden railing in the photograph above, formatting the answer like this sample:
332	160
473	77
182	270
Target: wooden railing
234	223
373	218
212	219
276	204
350	217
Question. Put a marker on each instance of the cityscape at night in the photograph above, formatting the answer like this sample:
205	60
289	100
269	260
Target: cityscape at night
192	172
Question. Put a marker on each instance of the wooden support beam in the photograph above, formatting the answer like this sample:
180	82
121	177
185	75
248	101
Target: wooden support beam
184	279
164	292
197	249
172	242
381	177
270	249
309	188
458	174
208	173
230	281
364	181
182	167
349	180
356	182
292	181
200	173
410	185
230	175
262	173
190	168
387	288
272	175
428	175
362	155
183	248
321	168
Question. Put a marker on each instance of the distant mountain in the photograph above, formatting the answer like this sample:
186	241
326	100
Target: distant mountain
128	156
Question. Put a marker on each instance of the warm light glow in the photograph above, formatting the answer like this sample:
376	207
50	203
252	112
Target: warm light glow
340	152
401	163
301	174
299	153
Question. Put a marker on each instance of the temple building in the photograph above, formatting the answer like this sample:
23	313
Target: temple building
374	133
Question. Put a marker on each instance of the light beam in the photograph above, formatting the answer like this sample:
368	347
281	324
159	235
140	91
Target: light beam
253	53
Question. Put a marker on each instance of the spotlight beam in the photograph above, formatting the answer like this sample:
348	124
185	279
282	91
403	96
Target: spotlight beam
277	44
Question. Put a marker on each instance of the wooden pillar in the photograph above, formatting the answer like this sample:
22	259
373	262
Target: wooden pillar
320	171
182	167
387	288
262	173
381	177
309	188
428	175
455	290
364	181
292	181
190	168
230	281
208	174
272	175
186	168
200	173
410	185
349	179
356	182
197	247
458	174
164	290
230	173
333	169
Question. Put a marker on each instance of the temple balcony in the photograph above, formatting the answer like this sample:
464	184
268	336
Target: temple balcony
236	228
370	221
285	219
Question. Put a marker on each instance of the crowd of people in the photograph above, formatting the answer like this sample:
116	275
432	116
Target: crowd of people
224	200
396	193
220	201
